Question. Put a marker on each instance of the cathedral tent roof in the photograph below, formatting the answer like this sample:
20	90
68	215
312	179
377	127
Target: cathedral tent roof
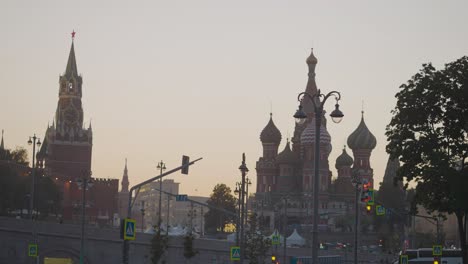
362	138
270	134
287	156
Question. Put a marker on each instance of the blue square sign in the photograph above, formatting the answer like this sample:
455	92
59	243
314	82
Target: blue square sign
129	229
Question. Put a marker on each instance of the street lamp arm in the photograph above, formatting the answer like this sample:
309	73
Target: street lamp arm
317	96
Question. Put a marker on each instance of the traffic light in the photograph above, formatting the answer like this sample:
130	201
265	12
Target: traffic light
368	208
365	192
437	260
273	259
185	161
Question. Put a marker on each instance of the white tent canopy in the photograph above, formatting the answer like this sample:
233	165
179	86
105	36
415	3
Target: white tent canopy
231	237
295	239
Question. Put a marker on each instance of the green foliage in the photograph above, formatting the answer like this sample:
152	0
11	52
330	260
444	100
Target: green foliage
256	245
221	198
428	133
189	251
159	245
15	186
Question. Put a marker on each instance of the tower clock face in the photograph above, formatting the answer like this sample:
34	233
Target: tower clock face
71	116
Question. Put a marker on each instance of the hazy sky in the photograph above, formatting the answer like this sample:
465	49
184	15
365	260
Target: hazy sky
167	78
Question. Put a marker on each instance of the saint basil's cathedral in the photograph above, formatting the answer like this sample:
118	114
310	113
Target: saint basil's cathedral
289	174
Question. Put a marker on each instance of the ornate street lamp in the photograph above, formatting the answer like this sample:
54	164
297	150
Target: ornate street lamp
318	101
243	168
32	141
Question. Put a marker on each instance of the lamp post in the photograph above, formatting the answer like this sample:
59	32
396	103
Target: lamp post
243	168
247	183
167	217
238	192
83	183
356	181
161	166
285	225
318	101
142	216
32	141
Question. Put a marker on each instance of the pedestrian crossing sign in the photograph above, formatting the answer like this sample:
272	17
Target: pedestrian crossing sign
437	250
32	250
404	259
275	240
235	253
129	229
380	210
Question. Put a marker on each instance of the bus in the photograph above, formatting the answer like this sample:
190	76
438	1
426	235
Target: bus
424	256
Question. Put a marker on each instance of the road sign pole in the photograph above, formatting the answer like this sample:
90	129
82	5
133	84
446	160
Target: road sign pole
126	243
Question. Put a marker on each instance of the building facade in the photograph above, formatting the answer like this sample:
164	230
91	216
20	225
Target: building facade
286	178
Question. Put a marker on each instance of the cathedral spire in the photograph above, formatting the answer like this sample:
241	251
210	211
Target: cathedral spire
311	87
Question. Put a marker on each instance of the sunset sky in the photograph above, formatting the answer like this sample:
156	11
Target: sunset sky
166	78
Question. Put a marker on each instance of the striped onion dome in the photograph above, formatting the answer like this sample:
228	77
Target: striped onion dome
270	134
308	135
362	138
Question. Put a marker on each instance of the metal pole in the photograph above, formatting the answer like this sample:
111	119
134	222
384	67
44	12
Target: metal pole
167	218
33	182
126	243
83	212
201	221
238	215
285	224
356	222
161	167
244	170
246	200
142	216
318	121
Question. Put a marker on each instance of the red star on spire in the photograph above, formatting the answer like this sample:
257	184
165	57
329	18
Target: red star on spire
73	34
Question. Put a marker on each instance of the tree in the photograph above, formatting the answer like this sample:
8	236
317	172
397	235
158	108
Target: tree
256	244
13	193
159	245
428	133
189	251
222	198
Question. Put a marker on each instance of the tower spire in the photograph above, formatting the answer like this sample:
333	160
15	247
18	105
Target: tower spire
71	69
2	145
125	182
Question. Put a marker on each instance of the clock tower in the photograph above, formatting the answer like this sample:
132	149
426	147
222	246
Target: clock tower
66	151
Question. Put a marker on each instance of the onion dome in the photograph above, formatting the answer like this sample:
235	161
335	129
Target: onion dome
286	156
308	135
270	134
311	59
344	160
362	138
